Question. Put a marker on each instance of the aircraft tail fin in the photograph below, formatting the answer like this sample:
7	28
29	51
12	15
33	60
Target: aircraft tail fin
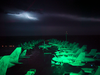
80	57
93	52
23	53
15	55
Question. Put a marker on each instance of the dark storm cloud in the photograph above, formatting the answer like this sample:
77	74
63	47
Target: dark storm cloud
57	18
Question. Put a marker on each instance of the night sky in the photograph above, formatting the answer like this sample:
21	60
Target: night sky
49	17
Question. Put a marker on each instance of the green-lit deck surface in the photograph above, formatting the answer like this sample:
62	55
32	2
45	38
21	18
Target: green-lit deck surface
66	53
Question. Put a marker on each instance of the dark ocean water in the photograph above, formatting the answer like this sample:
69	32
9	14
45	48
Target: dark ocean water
92	42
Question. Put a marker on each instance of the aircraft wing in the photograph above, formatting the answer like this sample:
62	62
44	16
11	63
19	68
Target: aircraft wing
88	59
